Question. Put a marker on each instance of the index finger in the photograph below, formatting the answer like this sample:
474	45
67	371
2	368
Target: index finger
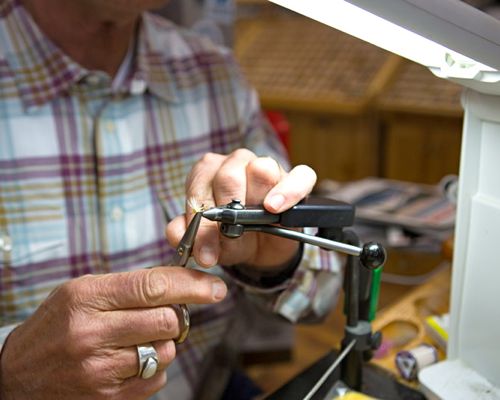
292	188
154	287
218	179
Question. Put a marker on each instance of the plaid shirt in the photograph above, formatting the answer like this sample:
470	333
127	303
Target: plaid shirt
90	173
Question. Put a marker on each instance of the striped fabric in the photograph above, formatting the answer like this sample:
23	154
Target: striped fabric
90	174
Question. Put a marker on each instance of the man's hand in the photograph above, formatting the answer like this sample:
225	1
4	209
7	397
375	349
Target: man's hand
81	342
216	180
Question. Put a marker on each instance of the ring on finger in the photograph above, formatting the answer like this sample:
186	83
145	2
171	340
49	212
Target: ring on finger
184	321
148	360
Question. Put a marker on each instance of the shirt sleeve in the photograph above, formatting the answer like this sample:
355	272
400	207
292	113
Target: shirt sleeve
313	289
309	293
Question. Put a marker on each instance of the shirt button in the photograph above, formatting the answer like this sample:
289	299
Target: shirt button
109	126
137	86
5	243
117	213
92	79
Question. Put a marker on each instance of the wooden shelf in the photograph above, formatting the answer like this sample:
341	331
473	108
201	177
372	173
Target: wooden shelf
354	109
299	64
415	90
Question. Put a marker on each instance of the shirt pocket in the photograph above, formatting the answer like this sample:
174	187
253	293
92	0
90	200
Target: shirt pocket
16	252
33	231
33	261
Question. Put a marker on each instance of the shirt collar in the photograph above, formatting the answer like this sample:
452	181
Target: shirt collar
154	62
43	72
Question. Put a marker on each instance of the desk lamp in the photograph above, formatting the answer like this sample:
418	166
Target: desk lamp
461	43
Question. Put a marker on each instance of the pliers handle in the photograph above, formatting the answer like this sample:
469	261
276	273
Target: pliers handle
180	258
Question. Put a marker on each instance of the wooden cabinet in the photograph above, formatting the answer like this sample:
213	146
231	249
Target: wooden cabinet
420	120
338	147
420	148
354	110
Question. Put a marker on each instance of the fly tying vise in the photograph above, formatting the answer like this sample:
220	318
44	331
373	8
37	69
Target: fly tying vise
324	214
363	267
330	217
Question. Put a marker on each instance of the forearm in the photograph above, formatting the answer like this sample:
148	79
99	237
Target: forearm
267	280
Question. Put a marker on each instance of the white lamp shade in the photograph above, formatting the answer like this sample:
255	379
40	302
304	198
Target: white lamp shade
450	37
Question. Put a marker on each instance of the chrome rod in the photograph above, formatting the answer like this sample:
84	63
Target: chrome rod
304	237
329	371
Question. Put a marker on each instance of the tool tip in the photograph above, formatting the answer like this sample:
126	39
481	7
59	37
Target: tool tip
210	214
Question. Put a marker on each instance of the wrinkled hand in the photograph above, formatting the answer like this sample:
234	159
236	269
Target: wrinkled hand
81	342
216	180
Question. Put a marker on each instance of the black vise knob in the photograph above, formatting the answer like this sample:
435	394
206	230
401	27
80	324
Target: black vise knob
373	255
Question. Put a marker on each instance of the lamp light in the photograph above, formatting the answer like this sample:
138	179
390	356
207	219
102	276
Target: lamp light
408	28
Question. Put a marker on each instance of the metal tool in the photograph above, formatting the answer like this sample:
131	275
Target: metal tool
363	266
184	248
236	219
180	258
330	370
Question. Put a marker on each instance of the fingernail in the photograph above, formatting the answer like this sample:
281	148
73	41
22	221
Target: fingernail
207	255
277	201
219	290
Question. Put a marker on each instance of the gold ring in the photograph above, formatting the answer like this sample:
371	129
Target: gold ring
185	323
